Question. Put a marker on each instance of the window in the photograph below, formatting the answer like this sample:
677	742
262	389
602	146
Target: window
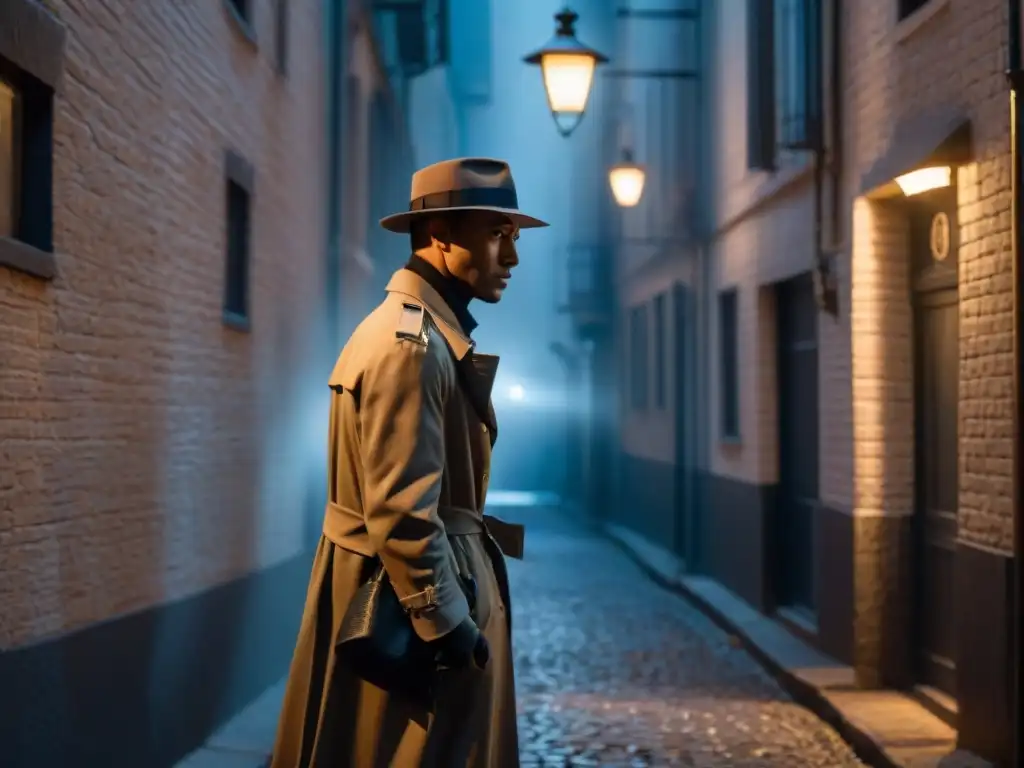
784	78
798	72
760	85
907	7
281	38
239	227
243	9
9	151
241	12
728	352
31	64
660	352
638	358
422	35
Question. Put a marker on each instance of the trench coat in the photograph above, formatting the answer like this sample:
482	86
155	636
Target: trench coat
411	432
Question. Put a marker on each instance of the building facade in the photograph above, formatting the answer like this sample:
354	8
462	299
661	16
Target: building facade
923	441
176	272
656	270
851	449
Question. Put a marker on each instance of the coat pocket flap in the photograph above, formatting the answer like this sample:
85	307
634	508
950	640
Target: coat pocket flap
345	376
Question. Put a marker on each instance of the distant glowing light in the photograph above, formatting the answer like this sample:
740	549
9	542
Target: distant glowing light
925	180
627	182
516	392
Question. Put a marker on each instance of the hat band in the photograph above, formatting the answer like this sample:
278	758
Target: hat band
489	197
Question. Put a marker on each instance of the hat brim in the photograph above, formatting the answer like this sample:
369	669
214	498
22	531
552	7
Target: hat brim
400	222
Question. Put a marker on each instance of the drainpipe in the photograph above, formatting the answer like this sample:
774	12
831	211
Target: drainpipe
1016	81
826	159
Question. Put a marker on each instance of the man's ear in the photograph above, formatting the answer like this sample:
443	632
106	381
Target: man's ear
440	233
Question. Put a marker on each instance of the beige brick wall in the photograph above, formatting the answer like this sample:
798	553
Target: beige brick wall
763	235
950	54
651	434
768	240
147	451
882	355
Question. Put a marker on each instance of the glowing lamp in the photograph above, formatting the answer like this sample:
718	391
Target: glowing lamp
567	68
627	181
924	180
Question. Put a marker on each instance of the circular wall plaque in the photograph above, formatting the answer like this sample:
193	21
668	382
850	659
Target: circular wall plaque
940	236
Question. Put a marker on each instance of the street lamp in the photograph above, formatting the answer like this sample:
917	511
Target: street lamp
567	66
627	180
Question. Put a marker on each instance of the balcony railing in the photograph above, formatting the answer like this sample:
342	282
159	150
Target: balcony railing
587	296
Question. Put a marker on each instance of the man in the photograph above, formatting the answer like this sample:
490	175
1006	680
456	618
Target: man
411	432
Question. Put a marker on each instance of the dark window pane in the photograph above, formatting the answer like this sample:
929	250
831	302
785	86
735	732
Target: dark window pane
236	293
242	7
281	39
638	358
761	84
660	369
907	7
729	360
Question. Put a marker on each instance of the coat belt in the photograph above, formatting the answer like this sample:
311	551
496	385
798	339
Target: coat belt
345	527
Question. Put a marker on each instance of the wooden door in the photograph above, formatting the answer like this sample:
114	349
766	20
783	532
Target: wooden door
937	378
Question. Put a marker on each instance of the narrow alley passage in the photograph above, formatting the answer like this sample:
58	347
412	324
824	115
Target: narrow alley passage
612	670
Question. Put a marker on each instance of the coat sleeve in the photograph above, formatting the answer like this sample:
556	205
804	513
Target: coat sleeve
402	434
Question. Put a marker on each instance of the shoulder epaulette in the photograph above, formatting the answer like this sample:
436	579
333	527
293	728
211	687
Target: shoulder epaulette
414	324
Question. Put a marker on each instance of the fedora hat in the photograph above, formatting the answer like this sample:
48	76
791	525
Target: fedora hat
464	184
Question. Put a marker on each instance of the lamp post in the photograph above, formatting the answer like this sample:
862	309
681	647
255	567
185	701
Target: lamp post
567	66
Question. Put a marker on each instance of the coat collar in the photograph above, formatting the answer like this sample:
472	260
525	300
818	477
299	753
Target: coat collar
408	283
477	371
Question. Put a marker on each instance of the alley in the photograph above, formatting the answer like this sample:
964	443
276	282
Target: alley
614	671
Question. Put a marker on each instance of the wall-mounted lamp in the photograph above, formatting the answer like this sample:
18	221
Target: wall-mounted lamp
627	180
567	66
925	180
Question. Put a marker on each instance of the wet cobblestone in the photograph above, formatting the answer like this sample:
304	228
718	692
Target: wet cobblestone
614	671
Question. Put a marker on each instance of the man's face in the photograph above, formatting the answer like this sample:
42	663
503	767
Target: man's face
480	250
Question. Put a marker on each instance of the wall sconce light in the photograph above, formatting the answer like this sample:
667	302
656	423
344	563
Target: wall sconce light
925	180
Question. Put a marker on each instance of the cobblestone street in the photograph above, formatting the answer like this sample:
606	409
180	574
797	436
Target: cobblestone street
612	670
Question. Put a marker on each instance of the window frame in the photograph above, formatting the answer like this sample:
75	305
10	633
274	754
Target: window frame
785	79
729	364
761	98
17	170
32	65
907	8
239	177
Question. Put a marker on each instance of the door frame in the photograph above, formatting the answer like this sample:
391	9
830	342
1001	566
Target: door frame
780	589
931	283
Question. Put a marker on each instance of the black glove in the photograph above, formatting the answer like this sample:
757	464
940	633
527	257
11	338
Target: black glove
461	647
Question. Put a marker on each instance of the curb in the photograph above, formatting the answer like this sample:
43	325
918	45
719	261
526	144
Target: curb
863	744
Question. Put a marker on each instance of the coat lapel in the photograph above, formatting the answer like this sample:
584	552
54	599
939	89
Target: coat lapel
477	371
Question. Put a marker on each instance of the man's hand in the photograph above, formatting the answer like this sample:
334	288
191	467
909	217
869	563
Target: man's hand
461	647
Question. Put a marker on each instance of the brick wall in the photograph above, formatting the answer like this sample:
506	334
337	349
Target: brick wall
950	54
882	358
149	452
